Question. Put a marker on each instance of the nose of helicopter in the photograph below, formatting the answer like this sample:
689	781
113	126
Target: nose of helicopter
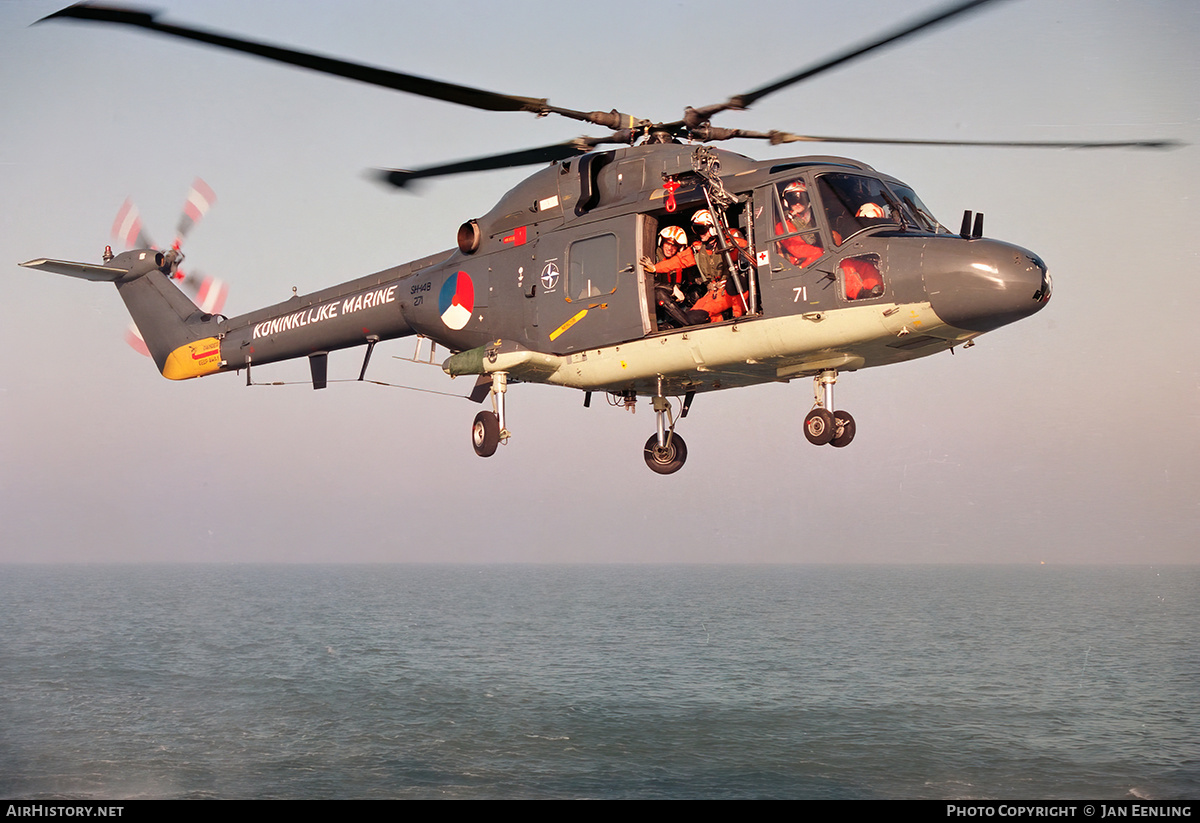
980	285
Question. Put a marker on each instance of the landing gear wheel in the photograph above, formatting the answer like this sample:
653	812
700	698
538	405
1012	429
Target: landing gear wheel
665	460
843	429
485	433
819	427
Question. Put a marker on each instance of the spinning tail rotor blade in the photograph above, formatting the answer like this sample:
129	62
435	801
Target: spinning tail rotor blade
134	338
200	199
211	294
127	228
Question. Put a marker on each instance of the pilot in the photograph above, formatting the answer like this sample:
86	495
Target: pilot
844	217
872	211
797	217
711	262
871	199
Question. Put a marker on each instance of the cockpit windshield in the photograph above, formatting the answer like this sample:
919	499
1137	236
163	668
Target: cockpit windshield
916	209
853	203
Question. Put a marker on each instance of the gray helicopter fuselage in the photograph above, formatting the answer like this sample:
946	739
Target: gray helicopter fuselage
552	274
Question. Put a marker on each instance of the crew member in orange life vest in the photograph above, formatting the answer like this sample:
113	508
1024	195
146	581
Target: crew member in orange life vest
861	278
798	250
671	240
707	257
669	295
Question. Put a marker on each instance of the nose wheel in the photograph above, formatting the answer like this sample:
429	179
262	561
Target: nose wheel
818	427
843	429
823	426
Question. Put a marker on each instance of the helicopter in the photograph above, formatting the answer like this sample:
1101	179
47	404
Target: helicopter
827	265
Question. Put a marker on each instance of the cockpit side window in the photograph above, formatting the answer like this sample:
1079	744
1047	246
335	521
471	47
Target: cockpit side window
800	242
853	203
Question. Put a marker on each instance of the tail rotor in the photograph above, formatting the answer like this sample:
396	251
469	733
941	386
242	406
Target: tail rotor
208	293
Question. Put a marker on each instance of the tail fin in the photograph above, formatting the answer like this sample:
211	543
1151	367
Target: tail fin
180	337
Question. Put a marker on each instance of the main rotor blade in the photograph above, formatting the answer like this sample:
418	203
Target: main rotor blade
525	157
744	101
438	90
777	137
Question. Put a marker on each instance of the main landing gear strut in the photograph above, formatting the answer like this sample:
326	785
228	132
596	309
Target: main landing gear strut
823	426
665	451
488	431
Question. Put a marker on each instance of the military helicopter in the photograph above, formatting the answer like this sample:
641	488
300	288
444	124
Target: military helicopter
811	266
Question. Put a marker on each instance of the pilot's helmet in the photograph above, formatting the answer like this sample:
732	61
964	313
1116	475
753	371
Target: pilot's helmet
703	218
673	233
795	193
871	210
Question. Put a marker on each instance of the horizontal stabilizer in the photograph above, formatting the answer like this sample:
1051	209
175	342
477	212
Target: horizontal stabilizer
88	271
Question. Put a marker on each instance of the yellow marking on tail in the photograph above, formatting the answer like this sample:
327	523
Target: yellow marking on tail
194	359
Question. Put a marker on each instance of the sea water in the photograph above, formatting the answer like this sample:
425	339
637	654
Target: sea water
594	681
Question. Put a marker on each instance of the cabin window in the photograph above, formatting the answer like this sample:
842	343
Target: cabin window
592	267
853	203
800	242
860	277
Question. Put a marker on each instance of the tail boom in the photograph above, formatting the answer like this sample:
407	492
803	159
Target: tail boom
187	341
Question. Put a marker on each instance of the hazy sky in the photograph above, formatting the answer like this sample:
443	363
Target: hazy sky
1070	437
